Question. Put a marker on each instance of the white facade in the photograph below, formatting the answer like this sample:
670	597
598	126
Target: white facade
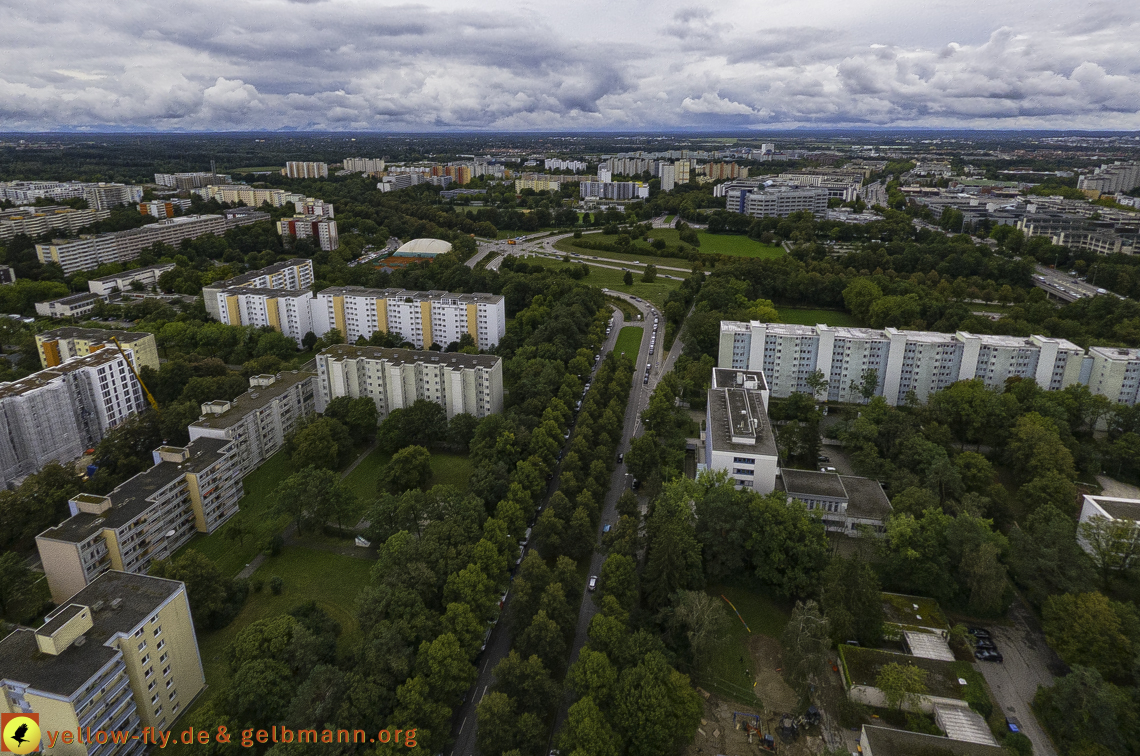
738	434
105	196
284	310
920	361
321	229
1109	179
1112	509
310	206
291	274
72	306
189	180
302	169
88	253
1115	374
27	192
58	413
363	165
668	177
782	202
420	317
396	378
37	221
147	276
248	195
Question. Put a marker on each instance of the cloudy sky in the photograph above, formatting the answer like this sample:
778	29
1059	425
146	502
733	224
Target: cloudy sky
553	65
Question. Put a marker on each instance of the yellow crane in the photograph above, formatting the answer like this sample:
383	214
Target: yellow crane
135	373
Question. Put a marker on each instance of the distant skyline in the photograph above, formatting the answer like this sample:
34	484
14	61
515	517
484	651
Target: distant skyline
734	66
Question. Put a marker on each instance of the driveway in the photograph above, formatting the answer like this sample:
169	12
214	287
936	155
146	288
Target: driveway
1029	662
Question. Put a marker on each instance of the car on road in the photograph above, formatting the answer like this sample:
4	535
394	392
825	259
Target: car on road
978	632
606	528
988	655
621	457
827	469
1013	724
822	458
593	583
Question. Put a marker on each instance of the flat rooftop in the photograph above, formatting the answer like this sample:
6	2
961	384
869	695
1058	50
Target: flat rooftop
719	435
1117	508
791	329
66	673
133	272
813	483
883	741
865	498
417	296
235	290
72	299
741	379
1115	353
253	399
410	356
268	270
44	377
93	334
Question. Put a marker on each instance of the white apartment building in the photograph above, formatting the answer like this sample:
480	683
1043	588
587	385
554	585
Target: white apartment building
291	274
147	276
58	413
1115	373
105	196
781	202
190	180
396	378
302	169
555	164
615	190
738	434
420	317
259	420
191	489
37	221
248	195
88	253
321	229
27	192
164	208
310	206
363	165
396	181
284	310
668	176
1112	178
903	361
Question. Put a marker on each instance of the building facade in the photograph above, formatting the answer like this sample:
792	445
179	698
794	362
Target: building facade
321	229
58	413
395	378
190	180
105	196
61	344
283	310
191	489
88	253
291	274
72	306
738	434
147	276
897	362
781	202
310	206
302	169
1111	178
844	503
363	165
423	318
1115	374
37	221
539	182
118	656
259	420
251	196
164	208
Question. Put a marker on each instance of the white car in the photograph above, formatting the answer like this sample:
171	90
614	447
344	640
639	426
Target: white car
593	583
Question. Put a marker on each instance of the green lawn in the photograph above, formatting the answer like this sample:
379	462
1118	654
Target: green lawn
629	340
451	470
669	218
815	317
609	278
255	511
362	480
332	580
567	245
736	245
730	672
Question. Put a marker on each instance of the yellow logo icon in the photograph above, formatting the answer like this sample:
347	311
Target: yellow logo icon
21	733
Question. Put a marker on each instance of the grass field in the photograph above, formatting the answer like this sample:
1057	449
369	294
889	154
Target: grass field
567	245
609	278
814	317
255	511
726	673
736	245
629	340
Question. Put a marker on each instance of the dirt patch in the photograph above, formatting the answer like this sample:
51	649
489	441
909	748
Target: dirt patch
770	686
723	731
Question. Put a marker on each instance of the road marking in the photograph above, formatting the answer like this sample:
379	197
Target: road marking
484	692
462	725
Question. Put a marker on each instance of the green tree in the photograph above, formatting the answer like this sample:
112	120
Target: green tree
588	731
543	639
1035	448
901	684
788	547
15	578
807	645
358	415
703	620
1112	545
1089	630
313	494
818	384
267	638
409	468
851	602
618	578
259	691
656	708
650	274
1083	711
1046	558
860	295
527	681
673	560
209	593
237	530
628	278
321	442
867	384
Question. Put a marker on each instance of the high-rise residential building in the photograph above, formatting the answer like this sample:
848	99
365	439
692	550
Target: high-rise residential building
283	310
555	164
396	181
685	171
720	171
1115	373
897	362
88	253
422	318
1110	179
118	656
538	182
605	174
190	180
615	190
259	420
320	229
668	176
291	274
37	221
61	344
105	196
164	208
58	413
738	434
27	192
302	169
310	206
363	165
147	277
252	196
190	489
396	378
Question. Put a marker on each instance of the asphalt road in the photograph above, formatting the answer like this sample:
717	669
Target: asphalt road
1061	285
464	726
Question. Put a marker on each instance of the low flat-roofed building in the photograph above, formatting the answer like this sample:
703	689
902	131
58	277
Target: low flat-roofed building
883	741
259	420
191	489
1110	509
147	277
119	655
738	434
61	344
844	502
71	306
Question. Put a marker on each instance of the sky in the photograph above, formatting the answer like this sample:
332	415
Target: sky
733	65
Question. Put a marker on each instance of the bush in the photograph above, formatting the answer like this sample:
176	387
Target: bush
276	584
1019	743
256	585
276	543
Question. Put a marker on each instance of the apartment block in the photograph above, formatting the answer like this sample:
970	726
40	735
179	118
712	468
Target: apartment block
1110	509
191	489
738	434
88	253
103	196
61	344
1115	373
1111	178
302	169
721	171
190	180
37	221
248	195
363	165
296	273
320	229
27	192
781	202
147	276
615	190
395	378
58	413
71	306
903	361
555	164
396	181
668	176
259	420
423	318
311	206
119	655
164	208
539	182
284	310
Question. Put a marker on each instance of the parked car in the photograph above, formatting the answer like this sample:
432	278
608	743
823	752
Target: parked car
636	484
827	469
822	458
1013	724
593	582
606	528
985	644
978	632
988	655
621	457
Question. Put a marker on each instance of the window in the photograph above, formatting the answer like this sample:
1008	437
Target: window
742	471
158	710
158	631
161	643
744	460
166	671
148	673
169	682
145	659
142	646
151	686
171	695
163	658
154	699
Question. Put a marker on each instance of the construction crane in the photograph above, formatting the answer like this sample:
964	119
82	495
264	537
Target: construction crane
135	373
